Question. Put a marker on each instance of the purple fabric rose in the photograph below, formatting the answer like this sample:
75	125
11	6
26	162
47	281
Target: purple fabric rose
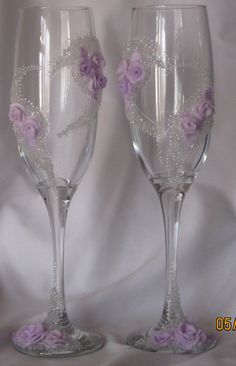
205	109
136	72
132	69
17	113
198	114
86	68
97	82
126	87
130	72
122	69
187	336
54	338
30	129
29	334
92	68
162	338
98	62
189	123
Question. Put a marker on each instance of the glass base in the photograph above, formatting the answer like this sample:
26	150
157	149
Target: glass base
184	337
37	340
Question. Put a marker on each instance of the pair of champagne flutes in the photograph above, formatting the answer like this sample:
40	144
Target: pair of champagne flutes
166	80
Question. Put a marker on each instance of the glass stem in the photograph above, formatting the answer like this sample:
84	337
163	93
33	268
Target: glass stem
57	203
171	203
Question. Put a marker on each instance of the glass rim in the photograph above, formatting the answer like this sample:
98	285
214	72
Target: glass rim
169	7
52	7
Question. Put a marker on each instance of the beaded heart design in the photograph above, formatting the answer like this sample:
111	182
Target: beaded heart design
186	128
31	125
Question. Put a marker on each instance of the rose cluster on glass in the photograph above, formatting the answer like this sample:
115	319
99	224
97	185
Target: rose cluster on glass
31	334
186	336
91	67
130	74
29	126
192	122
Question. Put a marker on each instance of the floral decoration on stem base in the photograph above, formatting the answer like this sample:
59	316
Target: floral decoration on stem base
184	337
38	339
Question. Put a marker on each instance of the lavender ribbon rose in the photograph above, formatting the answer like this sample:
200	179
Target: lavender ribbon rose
97	82
29	334
17	113
187	336
192	122
98	62
91	68
205	109
130	74
162	338
54	338
29	126
86	67
135	71
125	86
30	130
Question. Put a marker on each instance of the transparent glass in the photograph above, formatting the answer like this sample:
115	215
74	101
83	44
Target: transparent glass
166	78
54	107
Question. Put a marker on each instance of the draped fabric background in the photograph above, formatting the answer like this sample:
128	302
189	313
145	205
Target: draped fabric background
115	238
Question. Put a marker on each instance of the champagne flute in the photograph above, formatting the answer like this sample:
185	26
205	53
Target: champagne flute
55	98
166	80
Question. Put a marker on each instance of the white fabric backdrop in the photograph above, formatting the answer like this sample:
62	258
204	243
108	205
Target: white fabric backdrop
115	239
